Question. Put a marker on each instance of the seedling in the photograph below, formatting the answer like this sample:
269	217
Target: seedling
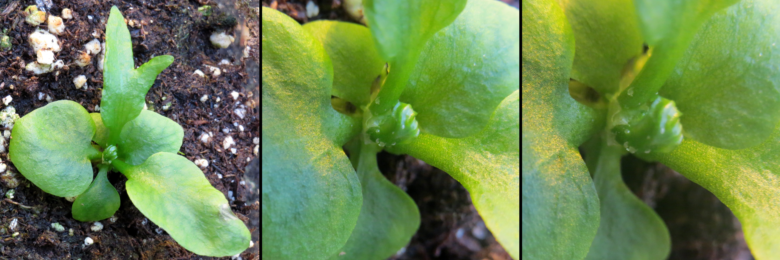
691	84
438	80
55	146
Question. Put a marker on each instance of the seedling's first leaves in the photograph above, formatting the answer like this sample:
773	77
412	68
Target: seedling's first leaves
356	62
486	164
124	88
100	201
560	205
173	193
607	36
466	70
51	147
311	194
388	219
629	229
147	134
726	85
746	180
400	31
101	132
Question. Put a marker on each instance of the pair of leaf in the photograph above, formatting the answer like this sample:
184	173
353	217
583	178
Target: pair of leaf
51	146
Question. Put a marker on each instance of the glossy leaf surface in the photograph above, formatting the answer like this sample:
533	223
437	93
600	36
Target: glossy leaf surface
388	218
174	194
727	85
100	201
478	53
311	194
147	134
356	62
654	128
607	36
560	204
747	181
487	165
629	229
51	147
124	88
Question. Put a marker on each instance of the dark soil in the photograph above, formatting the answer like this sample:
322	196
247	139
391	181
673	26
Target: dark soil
450	227
160	27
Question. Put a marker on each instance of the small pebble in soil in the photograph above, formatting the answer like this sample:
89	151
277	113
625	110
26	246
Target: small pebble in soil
10	179
56	26
219	175
88	241
240	112
44	57
202	163
97	226
3	166
158	230
14	224
204	98
70	232
224	62
236	257
8	117
67	14
221	40
6	134
82	58
246	51
233	150
227	142
240	128
199	73
70	199
234	95
43	40
58	227
48	98
80	81
205	138
112	219
93	47
34	17
97	108
256	140
312	9
226	131
143	222
15	234
166	106
7	100
41	95
214	70
100	60
218	99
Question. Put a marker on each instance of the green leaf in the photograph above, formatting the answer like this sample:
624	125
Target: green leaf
147	134
727	83
100	201
311	194
629	229
560	205
400	31
478	53
399	27
389	217
124	88
356	62
173	193
607	36
51	147
747	181
101	132
668	26
654	128
487	165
